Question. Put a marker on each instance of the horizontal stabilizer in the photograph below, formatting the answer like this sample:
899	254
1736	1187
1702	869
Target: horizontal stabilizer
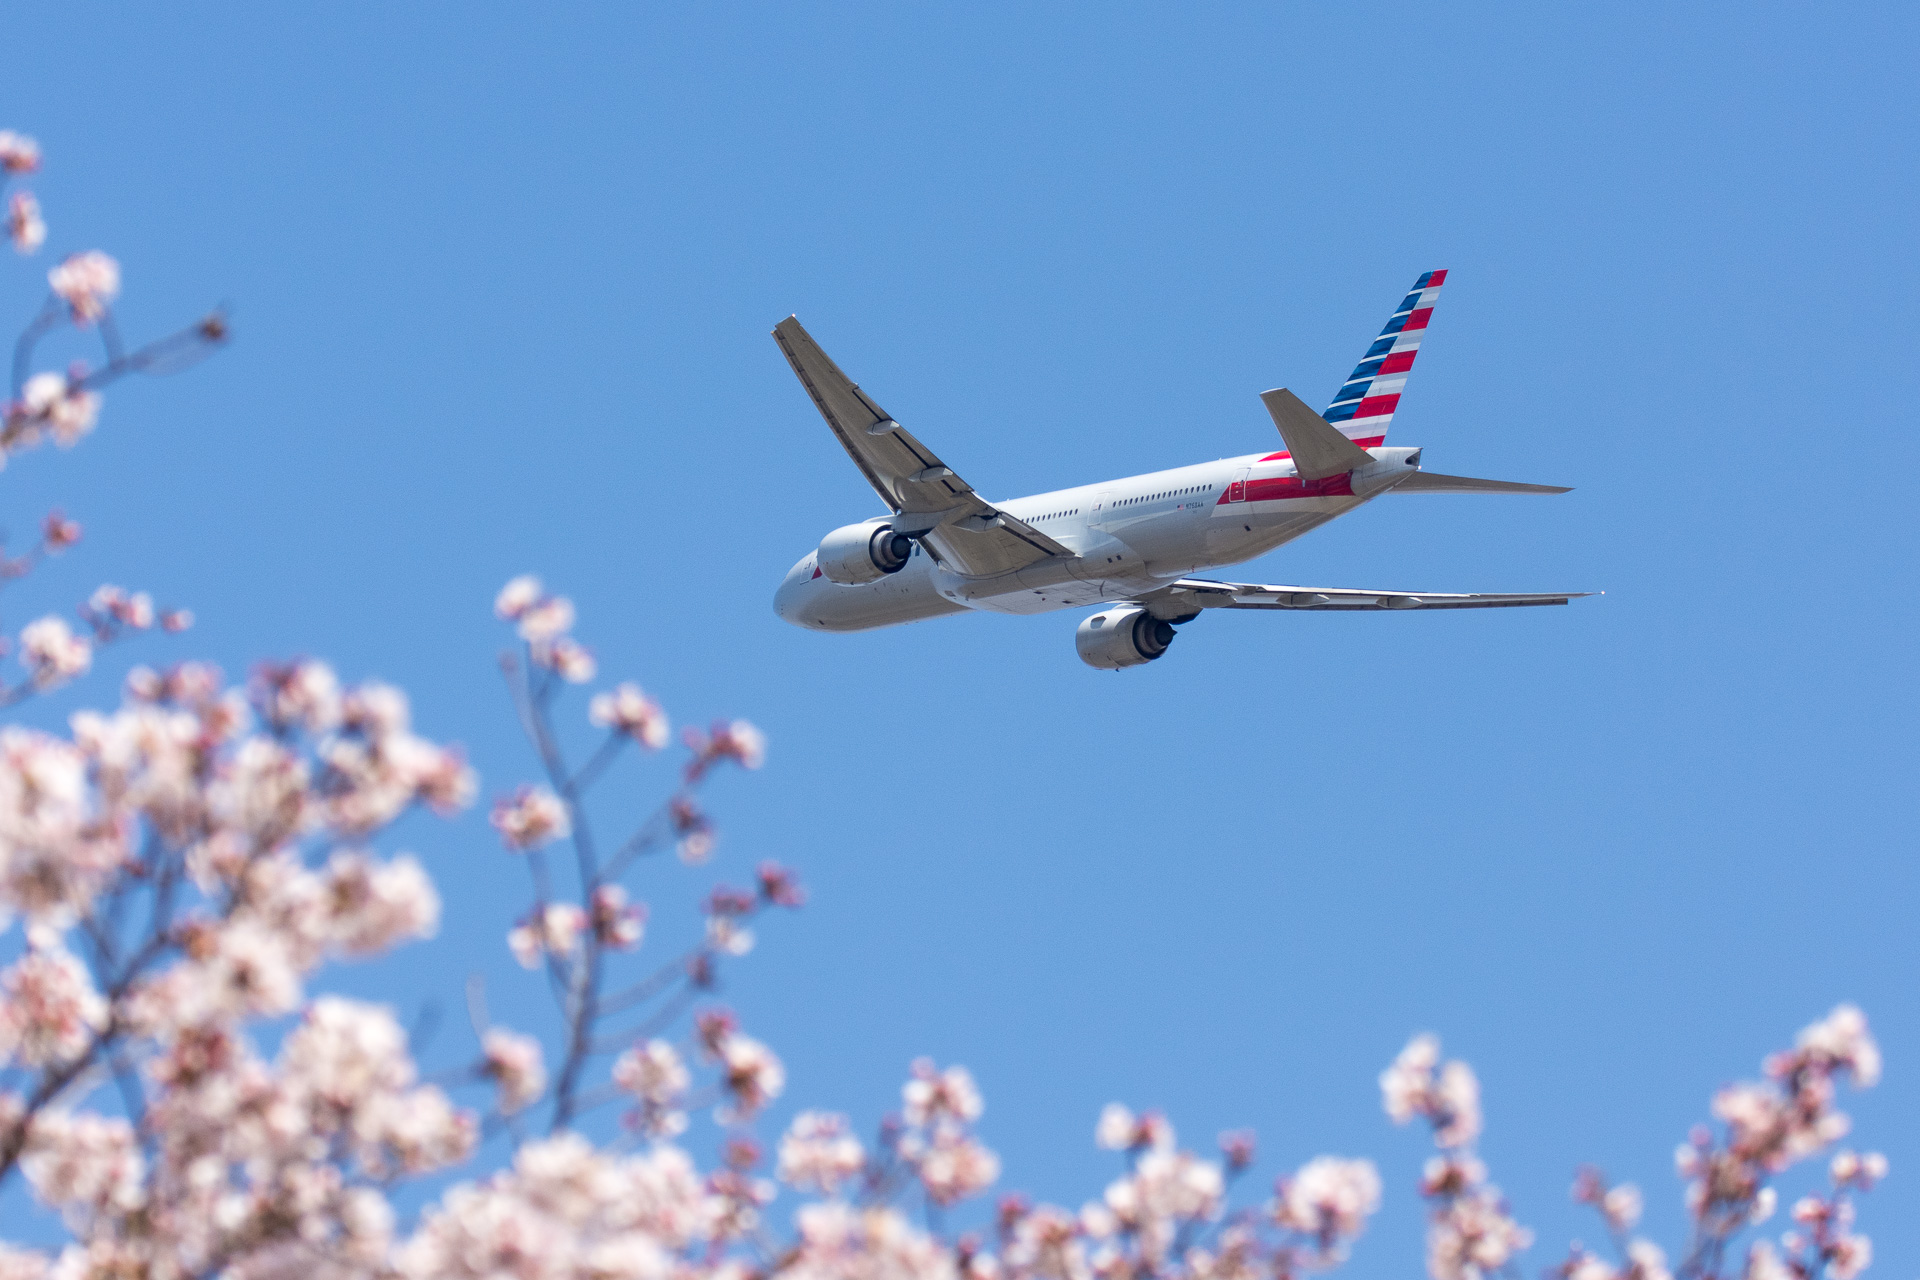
1318	449
1434	482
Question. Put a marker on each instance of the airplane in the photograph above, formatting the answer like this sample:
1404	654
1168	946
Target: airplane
1129	546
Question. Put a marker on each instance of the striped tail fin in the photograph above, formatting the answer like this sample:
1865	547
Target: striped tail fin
1364	407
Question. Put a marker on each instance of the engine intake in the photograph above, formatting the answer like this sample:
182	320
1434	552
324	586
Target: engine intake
1123	637
863	552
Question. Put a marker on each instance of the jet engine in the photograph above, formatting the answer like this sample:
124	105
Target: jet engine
866	552
1122	637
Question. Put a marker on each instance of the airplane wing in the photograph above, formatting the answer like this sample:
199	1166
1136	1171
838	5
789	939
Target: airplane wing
959	528
1189	595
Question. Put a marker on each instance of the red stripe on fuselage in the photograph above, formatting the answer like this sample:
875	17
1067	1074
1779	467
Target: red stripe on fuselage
1280	488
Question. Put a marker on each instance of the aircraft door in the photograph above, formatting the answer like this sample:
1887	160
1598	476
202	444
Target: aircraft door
1237	491
1102	503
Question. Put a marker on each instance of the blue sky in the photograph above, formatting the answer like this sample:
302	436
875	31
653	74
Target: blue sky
502	283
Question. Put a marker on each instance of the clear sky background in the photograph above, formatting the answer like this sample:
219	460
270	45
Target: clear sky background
502	280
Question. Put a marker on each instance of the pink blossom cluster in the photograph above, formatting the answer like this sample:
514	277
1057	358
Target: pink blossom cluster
57	406
728	909
1165	1194
1771	1125
1448	1096
88	283
1619	1206
692	830
1823	1238
628	711
49	1008
1166	1216
839	1241
1169	1216
751	1075
544	622
550	934
564	1210
52	651
58	532
517	1065
617	923
64	406
530	818
20	155
736	741
1768	1127
110	609
26	227
819	1153
935	1137
246	846
1471	1234
656	1076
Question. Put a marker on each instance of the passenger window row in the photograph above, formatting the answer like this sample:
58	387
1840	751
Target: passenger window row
1170	493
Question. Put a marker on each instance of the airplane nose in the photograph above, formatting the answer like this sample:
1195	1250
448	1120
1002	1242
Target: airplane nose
795	598
786	598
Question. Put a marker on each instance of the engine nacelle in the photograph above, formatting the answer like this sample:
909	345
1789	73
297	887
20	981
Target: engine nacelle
1122	637
864	552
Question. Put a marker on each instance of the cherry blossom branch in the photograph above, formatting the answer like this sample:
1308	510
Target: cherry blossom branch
595	765
655	983
662	1018
54	1081
575	944
49	317
172	353
582	987
54	654
304	691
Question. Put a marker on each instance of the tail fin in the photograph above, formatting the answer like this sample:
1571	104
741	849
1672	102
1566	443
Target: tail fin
1364	407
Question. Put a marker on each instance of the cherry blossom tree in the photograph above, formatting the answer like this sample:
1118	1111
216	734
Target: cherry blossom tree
179	875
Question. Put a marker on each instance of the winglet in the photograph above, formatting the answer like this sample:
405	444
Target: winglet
1318	448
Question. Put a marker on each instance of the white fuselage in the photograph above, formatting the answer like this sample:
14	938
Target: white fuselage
1128	537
